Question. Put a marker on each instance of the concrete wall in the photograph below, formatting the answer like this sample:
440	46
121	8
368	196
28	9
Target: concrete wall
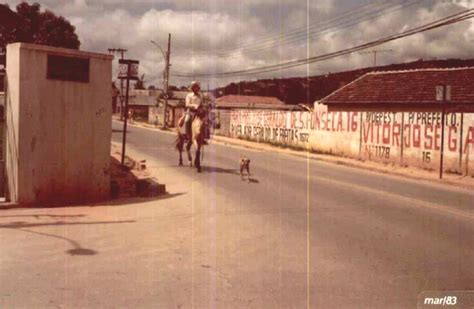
155	115
412	139
58	132
223	117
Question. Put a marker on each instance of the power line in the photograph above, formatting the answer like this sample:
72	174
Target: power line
321	32
278	36
334	24
451	19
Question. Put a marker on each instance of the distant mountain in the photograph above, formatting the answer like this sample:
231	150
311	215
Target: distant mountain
309	89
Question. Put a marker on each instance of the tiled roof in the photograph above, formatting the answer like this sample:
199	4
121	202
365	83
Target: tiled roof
247	101
413	86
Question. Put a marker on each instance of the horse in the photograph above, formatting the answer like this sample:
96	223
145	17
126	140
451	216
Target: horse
196	138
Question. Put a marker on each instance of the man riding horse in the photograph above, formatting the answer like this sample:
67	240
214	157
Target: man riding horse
194	107
193	122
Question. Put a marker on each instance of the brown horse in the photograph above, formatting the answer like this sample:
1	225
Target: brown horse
196	138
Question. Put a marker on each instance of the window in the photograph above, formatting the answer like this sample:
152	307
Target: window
68	68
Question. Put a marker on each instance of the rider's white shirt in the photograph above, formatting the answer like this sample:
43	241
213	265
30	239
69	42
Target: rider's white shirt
193	100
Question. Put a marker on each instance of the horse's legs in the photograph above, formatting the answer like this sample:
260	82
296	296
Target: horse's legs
197	159
188	150
180	147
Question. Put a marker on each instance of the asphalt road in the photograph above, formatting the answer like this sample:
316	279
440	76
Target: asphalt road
305	232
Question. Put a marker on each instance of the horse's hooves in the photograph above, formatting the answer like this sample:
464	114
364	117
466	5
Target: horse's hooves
180	164
198	169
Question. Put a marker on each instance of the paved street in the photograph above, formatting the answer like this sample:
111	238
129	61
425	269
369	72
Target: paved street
301	233
374	239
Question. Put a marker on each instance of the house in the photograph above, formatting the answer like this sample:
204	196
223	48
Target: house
140	101
224	105
140	105
249	102
421	117
411	90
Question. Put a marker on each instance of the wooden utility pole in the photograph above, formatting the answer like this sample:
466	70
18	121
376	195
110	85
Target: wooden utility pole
375	52
167	81
445	98
128	70
120	51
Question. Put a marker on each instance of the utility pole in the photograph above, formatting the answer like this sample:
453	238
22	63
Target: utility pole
128	69
167	80
443	93
375	52
120	51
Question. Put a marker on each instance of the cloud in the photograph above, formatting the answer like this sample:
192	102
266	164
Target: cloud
252	33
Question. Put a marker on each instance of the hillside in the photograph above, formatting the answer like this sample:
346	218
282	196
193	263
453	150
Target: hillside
309	89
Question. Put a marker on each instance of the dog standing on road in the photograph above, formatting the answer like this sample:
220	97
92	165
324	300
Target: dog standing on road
244	167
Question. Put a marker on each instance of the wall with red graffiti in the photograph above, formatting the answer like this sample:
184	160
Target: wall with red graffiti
409	138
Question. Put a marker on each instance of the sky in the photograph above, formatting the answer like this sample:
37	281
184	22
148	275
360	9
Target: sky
213	36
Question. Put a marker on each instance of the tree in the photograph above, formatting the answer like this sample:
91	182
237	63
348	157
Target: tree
38	27
140	84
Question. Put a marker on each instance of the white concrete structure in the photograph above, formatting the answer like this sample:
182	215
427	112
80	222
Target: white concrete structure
58	120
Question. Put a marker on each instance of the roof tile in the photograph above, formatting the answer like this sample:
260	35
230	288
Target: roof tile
414	86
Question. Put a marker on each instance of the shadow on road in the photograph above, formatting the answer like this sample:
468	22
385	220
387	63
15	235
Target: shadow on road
137	200
119	131
213	169
39	216
77	249
22	224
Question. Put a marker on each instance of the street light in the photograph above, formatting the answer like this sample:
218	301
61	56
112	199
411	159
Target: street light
166	75
164	58
162	52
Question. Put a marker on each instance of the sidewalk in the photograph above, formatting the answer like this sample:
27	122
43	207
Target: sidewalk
466	182
70	257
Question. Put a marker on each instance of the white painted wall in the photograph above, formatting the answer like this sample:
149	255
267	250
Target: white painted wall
58	132
370	136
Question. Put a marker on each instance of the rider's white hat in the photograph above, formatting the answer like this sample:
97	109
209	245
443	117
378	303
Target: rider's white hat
194	83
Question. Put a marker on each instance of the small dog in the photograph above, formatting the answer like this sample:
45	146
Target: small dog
244	166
